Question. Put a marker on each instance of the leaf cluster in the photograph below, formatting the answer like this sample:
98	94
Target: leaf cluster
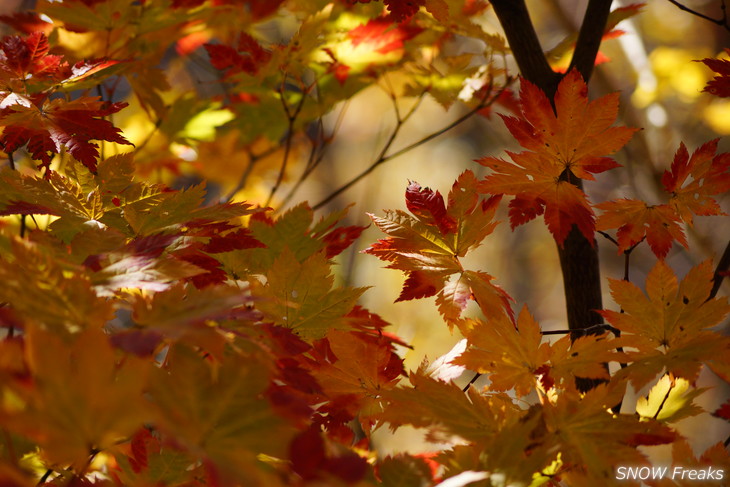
165	334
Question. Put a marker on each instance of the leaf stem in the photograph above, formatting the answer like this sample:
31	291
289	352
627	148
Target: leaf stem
666	397
253	159
472	381
600	327
45	476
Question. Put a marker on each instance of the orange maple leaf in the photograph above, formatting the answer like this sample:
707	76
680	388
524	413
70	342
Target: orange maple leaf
710	175
428	247
691	182
573	140
637	220
668	325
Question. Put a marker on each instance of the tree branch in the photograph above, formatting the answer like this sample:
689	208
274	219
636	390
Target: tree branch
722	22
589	37
525	45
578	256
383	158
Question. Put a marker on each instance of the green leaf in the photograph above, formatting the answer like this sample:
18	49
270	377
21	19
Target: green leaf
219	412
300	296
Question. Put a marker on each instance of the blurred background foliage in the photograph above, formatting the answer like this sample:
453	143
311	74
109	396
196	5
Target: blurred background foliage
245	130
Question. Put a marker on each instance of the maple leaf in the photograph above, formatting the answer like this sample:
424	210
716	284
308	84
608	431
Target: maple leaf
183	308
428	206
720	84
513	355
27	22
89	73
574	139
295	230
357	365
178	209
660	224
428	246
443	407
246	57
382	36
33	274
60	124
148	463
27	58
300	296
102	404
636	220
710	175
510	354
584	357
219	414
312	461
668	325
592	440
670	400
401	10
140	264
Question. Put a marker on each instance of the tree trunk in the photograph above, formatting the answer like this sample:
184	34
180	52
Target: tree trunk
578	256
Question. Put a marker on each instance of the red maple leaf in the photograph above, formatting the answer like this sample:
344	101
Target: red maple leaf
571	141
428	206
382	35
27	57
258	9
247	57
61	124
27	22
720	84
427	248
401	10
723	411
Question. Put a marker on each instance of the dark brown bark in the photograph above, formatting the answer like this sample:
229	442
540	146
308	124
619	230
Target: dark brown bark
578	256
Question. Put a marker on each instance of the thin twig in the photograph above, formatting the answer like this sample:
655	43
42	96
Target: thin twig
291	117
11	160
609	238
320	151
720	271
44	477
253	159
486	101
601	327
666	397
722	22
472	381
149	136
